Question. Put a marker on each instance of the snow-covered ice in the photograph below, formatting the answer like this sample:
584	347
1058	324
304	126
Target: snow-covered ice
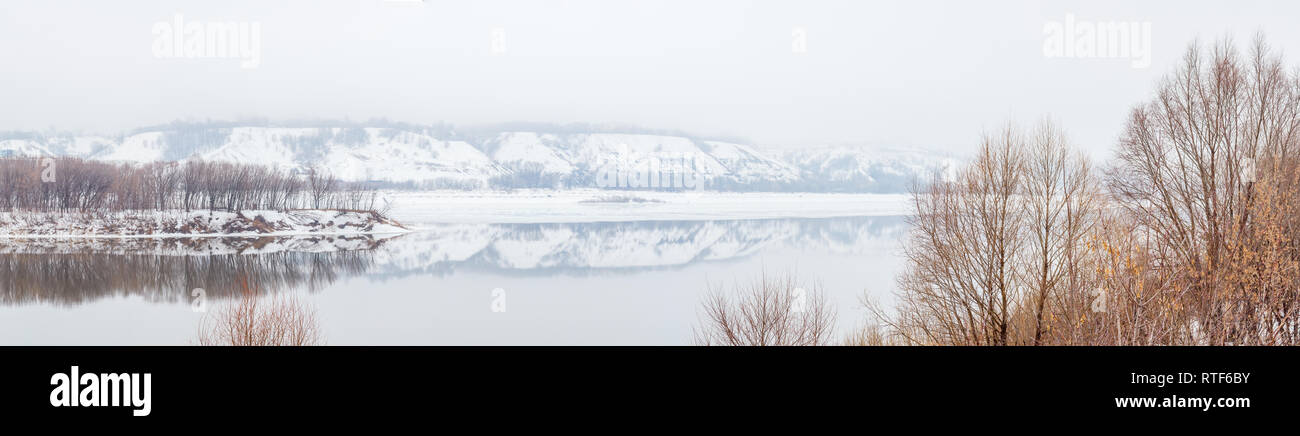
594	205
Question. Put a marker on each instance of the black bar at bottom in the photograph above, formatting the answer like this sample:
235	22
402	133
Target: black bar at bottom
189	383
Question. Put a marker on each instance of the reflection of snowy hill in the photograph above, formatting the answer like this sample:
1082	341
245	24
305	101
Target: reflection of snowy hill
166	269
582	247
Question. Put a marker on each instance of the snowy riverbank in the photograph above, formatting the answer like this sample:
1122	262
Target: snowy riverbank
146	224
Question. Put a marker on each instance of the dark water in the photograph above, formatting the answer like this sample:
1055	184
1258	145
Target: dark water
589	283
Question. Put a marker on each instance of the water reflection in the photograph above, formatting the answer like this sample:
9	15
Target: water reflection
71	272
75	271
597	248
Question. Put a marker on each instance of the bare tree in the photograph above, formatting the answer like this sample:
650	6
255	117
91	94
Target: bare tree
1186	172
318	185
1060	195
960	286
1192	242
770	311
994	252
90	186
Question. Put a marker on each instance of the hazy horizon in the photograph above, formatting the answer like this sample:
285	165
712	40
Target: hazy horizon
781	74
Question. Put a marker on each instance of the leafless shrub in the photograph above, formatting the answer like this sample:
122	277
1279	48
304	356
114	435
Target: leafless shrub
250	321
770	311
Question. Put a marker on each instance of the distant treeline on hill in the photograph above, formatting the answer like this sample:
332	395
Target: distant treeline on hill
77	185
520	155
442	130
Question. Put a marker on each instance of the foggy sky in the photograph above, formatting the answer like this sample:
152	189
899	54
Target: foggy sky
897	73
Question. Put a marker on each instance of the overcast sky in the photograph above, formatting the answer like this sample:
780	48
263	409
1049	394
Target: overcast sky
781	73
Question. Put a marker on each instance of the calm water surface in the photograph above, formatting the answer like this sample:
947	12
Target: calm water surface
628	283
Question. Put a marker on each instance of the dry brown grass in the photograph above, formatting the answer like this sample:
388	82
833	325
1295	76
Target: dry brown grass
872	335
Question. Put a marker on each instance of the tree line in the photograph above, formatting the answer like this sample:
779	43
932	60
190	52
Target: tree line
1189	236
78	185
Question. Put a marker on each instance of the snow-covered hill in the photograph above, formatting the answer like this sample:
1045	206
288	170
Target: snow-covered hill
429	157
847	169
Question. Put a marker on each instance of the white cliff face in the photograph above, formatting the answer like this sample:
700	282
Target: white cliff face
846	169
507	159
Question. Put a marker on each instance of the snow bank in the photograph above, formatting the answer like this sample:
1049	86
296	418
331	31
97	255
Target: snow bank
195	245
419	208
176	223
